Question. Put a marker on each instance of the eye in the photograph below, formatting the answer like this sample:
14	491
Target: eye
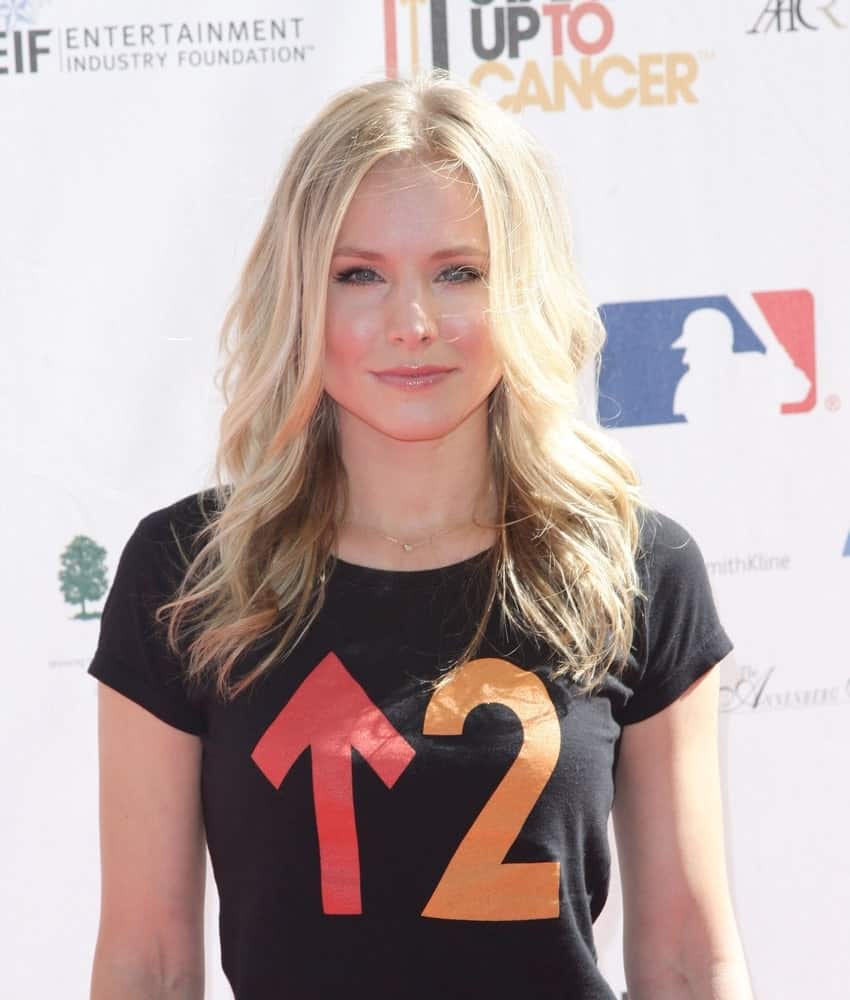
350	275
347	277
467	273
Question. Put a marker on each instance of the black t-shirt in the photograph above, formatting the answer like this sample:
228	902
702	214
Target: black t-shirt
368	834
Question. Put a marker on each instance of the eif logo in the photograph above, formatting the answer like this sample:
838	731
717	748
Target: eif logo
544	55
796	15
698	360
21	48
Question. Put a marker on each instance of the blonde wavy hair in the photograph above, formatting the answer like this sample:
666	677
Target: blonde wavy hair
563	569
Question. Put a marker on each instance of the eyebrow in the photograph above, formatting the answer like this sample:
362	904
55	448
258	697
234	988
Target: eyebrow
458	251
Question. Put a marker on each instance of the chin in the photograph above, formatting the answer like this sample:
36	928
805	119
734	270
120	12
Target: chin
428	432
411	426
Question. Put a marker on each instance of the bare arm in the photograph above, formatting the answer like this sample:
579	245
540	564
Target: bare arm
150	941
681	941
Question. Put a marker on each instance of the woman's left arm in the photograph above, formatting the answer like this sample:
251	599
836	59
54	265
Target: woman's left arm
681	941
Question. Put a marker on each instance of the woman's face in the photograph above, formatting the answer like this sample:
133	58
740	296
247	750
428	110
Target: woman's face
405	291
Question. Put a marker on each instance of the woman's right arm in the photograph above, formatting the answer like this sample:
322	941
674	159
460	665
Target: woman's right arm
150	942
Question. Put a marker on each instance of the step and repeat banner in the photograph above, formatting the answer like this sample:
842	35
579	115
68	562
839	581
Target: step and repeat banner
703	148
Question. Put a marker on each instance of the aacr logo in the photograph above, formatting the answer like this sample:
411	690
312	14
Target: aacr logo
794	15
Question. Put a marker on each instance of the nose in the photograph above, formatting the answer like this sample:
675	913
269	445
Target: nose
412	317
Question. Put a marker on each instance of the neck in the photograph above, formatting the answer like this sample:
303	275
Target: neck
414	489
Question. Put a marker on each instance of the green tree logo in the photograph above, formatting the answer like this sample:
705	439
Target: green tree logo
83	574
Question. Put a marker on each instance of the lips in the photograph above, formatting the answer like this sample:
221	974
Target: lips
410	379
415	371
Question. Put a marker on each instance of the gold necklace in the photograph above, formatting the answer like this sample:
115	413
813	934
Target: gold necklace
410	546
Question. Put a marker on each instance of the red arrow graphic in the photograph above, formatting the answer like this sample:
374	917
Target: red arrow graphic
330	713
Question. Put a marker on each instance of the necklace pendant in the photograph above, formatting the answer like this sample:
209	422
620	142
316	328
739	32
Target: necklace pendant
407	546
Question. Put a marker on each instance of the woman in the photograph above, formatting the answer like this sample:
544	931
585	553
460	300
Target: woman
391	671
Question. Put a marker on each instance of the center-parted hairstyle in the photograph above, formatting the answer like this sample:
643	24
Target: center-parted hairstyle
563	569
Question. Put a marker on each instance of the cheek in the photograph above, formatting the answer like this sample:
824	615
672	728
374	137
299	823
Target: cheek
471	337
346	338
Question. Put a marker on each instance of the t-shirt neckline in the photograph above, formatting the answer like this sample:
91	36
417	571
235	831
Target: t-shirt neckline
357	573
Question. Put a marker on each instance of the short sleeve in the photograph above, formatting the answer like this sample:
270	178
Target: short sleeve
132	655
678	633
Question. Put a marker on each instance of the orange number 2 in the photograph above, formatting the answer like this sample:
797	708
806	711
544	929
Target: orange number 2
477	885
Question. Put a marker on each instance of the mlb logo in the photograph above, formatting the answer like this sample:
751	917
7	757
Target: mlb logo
679	360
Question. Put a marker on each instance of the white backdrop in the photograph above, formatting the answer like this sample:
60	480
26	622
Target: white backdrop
704	151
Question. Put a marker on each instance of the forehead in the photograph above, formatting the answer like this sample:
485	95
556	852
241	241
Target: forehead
398	197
